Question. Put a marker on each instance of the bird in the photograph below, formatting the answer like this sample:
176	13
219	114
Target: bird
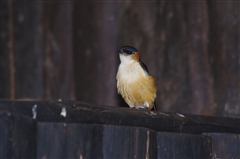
134	83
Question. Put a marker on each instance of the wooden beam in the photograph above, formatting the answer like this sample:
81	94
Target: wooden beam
77	112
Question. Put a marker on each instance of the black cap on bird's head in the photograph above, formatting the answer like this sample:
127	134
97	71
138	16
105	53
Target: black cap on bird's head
127	50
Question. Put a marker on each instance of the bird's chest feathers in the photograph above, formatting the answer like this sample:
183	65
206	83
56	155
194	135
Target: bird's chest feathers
130	72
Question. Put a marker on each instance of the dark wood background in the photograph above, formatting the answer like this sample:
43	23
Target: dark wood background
69	49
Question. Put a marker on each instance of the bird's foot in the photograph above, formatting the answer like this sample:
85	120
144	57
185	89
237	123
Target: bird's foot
141	107
131	106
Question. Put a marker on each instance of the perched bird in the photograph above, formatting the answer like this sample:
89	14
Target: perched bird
134	83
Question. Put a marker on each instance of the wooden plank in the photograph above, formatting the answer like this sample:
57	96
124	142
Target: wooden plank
224	40
187	146
94	141
77	112
192	48
200	78
63	140
58	54
18	136
129	142
5	65
225	145
95	51
28	49
68	129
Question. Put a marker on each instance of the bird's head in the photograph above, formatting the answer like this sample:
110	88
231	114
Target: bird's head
128	54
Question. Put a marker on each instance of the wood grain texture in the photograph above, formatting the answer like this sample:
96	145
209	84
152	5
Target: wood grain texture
95	58
85	113
225	145
186	146
58	53
70	50
28	49
94	131
18	136
4	55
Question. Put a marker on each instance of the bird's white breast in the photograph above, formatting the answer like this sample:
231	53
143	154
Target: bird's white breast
130	72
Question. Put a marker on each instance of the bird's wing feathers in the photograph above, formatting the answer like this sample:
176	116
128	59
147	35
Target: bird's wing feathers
144	67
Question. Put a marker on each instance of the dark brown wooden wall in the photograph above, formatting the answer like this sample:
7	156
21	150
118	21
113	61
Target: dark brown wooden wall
69	49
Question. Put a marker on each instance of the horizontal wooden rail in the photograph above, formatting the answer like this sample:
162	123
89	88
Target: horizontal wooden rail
70	129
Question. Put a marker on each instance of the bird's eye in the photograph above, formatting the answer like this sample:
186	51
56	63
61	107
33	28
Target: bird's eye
127	51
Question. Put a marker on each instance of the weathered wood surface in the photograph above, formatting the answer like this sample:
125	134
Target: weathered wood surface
172	145
18	136
92	141
77	112
93	131
69	49
110	141
225	145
